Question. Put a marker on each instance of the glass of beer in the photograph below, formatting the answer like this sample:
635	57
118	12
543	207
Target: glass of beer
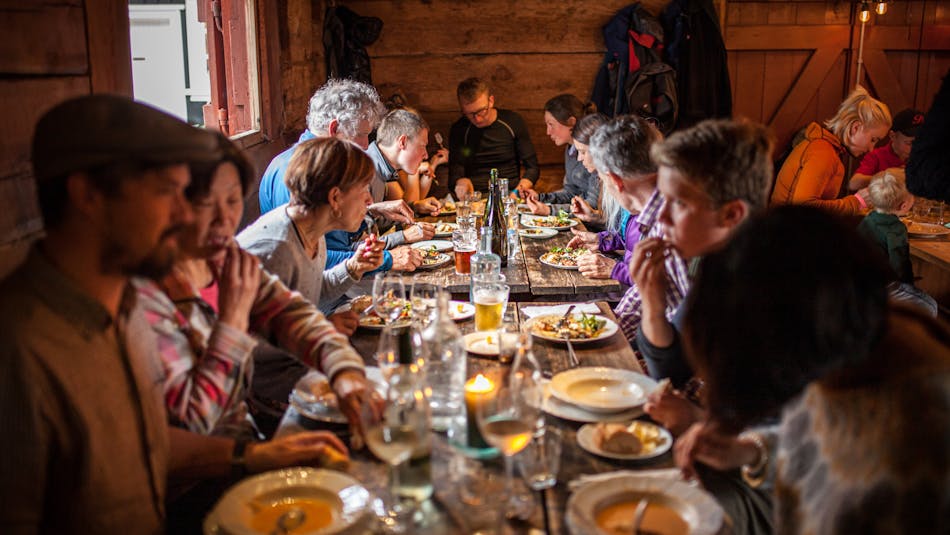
491	299
463	244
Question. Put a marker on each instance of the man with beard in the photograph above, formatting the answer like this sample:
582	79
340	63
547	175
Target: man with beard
87	445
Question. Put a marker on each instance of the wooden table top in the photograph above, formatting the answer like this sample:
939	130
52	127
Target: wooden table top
446	512
525	274
933	250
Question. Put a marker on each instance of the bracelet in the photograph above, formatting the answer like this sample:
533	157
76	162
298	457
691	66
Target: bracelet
238	462
862	202
754	475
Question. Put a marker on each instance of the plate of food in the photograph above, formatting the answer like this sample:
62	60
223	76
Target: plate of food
537	233
562	221
445	230
625	441
483	343
926	230
332	502
448	208
579	328
673	507
369	319
569	411
438	245
563	257
461	310
523	208
600	389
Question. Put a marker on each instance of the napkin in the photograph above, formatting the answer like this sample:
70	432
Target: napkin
588	308
659	473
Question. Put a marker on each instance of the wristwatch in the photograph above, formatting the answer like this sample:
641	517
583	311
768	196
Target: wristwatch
238	462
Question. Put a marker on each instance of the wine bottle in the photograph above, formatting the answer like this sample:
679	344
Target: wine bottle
495	219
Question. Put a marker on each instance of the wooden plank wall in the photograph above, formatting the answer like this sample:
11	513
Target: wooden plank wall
788	60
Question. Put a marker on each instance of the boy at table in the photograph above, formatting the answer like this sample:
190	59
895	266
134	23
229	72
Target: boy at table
894	154
712	176
884	228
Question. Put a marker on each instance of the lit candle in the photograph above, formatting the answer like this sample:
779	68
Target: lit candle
478	391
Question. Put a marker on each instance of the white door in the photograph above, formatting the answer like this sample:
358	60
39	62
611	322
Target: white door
158	66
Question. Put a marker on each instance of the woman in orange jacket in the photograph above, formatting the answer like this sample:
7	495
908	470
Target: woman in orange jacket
814	170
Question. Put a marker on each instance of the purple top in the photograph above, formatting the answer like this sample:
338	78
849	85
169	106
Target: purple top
611	240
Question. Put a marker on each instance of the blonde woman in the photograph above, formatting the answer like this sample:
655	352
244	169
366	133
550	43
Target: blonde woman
815	169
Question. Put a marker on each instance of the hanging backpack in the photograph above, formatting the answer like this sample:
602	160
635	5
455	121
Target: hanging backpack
650	87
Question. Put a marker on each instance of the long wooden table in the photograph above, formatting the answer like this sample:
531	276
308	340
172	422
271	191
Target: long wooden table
931	261
446	513
525	274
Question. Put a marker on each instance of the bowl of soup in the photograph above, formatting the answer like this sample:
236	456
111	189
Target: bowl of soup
312	501
673	507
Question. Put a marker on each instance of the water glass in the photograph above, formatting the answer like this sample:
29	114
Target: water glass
508	337
540	461
465	222
463	208
423	298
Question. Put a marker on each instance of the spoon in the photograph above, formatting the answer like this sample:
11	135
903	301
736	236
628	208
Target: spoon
438	139
638	515
291	519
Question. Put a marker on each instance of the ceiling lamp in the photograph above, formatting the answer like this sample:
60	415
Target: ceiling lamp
864	14
881	8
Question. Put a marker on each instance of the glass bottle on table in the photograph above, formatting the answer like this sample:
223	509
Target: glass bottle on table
443	355
485	265
408	381
495	219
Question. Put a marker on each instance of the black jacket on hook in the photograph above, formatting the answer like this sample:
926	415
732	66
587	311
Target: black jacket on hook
345	38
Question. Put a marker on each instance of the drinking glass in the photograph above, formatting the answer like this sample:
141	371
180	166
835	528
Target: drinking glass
389	297
392	432
423	296
463	245
507	422
491	298
540	460
508	336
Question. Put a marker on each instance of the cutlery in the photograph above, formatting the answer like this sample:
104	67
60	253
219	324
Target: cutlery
571	355
438	139
292	519
638	515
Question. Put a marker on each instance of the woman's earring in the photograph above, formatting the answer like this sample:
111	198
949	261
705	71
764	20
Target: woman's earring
336	213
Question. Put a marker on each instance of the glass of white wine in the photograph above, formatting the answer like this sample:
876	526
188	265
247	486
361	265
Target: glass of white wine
507	422
389	297
423	297
393	431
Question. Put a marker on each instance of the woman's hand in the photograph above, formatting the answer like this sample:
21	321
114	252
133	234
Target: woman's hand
440	157
419	232
585	240
428	206
353	390
584	211
672	410
238	283
706	443
345	321
537	207
368	256
595	266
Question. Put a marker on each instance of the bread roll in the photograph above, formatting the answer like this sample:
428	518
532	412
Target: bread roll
618	438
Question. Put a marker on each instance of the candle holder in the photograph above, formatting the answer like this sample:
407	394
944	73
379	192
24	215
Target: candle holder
466	438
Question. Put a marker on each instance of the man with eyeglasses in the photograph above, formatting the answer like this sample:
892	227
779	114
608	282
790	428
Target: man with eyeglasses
486	137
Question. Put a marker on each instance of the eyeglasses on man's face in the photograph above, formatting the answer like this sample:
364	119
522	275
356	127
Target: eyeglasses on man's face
479	113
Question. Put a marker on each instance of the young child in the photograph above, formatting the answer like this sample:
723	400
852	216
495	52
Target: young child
893	154
883	227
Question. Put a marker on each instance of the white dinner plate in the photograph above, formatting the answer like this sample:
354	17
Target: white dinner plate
436	262
697	508
610	328
445	233
523	208
601	389
317	408
537	233
440	245
926	230
461	310
484	343
587	440
370	322
567	411
350	502
533	221
556	266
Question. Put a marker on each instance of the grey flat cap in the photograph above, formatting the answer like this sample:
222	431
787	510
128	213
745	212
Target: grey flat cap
95	130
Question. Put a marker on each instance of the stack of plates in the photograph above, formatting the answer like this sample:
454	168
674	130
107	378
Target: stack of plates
597	394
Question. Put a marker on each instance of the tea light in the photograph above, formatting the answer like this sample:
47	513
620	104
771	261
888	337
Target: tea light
478	391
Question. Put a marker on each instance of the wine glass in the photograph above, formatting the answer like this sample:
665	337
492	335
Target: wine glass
507	422
423	296
392	432
389	297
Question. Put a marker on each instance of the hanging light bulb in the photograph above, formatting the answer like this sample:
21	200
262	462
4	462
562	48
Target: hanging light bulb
880	8
865	14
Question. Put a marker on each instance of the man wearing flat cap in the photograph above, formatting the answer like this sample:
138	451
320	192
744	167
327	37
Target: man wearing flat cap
895	153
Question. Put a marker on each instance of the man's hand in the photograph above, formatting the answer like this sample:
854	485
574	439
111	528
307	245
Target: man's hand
524	184
368	256
584	239
428	206
463	188
440	157
595	266
345	321
396	210
418	232
406	258
306	448
704	442
238	282
585	212
648	272
537	207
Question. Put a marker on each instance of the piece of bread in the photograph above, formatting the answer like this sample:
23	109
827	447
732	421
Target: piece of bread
617	438
333	459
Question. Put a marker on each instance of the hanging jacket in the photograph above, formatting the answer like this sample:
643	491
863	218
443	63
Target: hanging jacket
345	38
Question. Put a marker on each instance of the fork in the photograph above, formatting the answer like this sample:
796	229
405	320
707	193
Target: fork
571	355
